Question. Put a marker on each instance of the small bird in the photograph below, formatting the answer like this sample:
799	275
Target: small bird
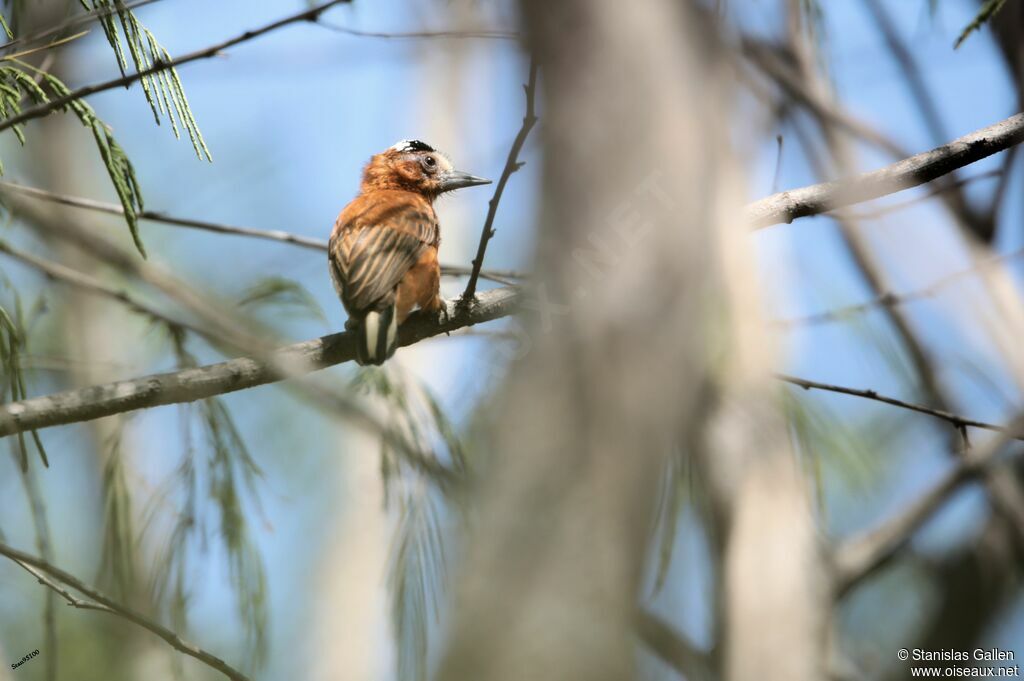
383	249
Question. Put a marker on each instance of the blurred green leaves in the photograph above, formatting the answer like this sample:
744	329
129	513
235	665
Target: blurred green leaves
16	83
282	295
987	11
418	567
14	344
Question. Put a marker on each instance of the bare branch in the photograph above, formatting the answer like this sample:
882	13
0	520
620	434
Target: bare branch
860	556
156	216
512	164
500	276
954	419
770	60
36	567
236	374
488	34
787	206
59	102
85	282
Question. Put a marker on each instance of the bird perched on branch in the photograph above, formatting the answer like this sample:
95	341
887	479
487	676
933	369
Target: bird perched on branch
383	249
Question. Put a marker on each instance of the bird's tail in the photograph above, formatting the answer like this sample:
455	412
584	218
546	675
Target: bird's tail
376	336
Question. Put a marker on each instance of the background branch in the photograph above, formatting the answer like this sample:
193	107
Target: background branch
860	556
104	604
500	276
787	206
890	299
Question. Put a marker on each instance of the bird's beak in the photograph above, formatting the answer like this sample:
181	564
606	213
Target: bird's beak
456	179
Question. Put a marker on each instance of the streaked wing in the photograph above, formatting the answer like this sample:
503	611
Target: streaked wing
369	260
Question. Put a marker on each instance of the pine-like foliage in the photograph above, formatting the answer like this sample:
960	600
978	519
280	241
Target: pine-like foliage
227	473
131	40
163	89
418	570
987	11
16	83
16	8
13	344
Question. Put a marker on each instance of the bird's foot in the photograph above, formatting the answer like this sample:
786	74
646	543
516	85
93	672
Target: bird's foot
443	316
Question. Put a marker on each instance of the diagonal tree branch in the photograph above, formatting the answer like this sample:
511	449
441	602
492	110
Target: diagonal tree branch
236	374
860	556
48	575
485	34
311	14
916	170
72	277
954	419
891	299
157	216
512	164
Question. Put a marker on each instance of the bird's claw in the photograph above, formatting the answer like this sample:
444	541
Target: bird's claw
443	316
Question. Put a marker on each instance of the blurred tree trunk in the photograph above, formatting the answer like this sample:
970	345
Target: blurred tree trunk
350	632
630	305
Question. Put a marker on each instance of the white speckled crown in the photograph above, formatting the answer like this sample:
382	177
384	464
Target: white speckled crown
412	145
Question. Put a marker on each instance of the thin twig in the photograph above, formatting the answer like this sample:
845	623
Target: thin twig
916	170
59	102
416	35
33	50
771	61
76	21
778	163
500	276
954	419
862	555
907	63
1006	174
882	211
891	299
104	604
88	283
44	545
157	216
923	97
512	164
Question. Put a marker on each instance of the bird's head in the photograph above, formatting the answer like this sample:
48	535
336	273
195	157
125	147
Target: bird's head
416	166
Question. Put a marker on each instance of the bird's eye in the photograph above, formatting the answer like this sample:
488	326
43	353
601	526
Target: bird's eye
429	161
